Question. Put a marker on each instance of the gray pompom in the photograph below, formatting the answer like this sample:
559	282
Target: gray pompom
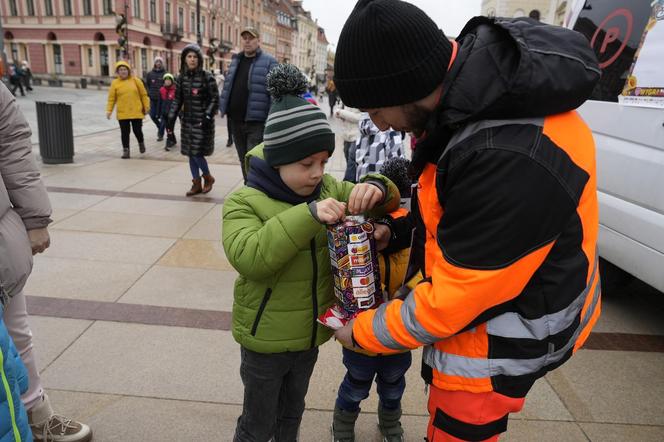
285	79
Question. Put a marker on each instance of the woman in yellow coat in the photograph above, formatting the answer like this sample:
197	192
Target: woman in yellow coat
131	98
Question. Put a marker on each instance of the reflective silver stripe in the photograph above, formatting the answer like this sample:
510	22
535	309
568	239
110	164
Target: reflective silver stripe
513	325
412	324
381	332
294	113
293	110
473	128
455	365
300	129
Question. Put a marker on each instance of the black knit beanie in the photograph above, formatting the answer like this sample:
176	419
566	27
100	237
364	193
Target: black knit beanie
389	53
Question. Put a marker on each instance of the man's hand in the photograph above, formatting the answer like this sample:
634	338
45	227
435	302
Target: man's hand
345	334
382	235
363	197
329	211
39	240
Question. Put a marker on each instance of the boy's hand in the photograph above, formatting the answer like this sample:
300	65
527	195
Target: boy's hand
329	211
363	197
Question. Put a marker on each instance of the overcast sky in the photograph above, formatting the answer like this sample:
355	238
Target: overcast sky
450	15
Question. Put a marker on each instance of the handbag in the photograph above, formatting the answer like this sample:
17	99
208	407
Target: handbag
138	89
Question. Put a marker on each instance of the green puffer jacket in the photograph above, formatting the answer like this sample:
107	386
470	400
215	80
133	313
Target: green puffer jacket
281	253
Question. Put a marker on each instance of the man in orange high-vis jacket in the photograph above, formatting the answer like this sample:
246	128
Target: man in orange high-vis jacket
506	202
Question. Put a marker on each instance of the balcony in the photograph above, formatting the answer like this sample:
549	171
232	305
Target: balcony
172	32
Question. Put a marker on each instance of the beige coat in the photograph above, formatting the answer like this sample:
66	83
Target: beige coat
24	203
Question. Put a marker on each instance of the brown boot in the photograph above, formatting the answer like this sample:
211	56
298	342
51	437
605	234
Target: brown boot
208	181
195	187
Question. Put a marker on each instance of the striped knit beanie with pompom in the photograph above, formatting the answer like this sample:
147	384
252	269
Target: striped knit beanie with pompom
294	128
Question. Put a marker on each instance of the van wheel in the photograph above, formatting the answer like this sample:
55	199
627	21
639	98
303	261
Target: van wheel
613	277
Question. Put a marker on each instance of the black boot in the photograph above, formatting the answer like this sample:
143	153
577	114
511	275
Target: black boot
125	153
389	424
343	425
141	147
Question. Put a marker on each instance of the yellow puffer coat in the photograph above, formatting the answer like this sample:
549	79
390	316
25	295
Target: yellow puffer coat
129	95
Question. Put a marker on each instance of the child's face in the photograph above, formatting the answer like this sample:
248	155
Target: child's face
168	82
303	176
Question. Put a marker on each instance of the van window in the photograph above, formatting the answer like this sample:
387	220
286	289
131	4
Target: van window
614	29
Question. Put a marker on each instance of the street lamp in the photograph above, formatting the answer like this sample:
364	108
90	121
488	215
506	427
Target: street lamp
122	29
199	39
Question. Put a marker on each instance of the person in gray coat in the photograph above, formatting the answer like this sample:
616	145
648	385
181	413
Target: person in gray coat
25	213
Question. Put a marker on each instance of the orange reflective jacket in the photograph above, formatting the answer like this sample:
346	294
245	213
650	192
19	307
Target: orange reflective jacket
511	289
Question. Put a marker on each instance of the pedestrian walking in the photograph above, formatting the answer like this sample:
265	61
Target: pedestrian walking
154	80
244	99
507	208
350	119
128	94
27	75
332	95
16	78
273	229
363	366
166	98
24	217
196	94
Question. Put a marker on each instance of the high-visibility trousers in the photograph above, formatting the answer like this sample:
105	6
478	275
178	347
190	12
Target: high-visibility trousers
457	416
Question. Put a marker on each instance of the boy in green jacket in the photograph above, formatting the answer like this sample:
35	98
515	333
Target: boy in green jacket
274	236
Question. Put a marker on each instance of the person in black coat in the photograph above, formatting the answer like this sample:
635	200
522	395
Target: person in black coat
198	98
154	80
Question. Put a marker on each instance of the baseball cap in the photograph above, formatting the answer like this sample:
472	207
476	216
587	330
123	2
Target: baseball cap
250	29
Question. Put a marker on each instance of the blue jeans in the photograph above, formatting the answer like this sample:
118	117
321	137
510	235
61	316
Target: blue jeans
196	164
154	113
389	371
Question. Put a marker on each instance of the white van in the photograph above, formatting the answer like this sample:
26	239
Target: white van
629	132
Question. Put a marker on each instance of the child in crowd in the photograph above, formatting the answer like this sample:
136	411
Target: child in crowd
166	97
274	236
362	366
197	96
375	147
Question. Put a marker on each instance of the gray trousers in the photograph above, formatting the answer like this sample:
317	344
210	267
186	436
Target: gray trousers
275	385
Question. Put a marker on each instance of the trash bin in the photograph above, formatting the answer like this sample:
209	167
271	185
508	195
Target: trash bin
84	83
56	133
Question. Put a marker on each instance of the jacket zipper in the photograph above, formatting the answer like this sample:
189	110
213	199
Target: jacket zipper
266	297
314	295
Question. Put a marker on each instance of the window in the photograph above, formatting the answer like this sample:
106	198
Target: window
118	55
48	8
181	17
12	8
203	20
153	11
31	7
108	7
137	8
144	59
87	7
66	6
57	59
615	68
192	23
213	27
167	13
91	61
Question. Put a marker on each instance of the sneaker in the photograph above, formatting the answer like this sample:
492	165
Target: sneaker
160	138
47	426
